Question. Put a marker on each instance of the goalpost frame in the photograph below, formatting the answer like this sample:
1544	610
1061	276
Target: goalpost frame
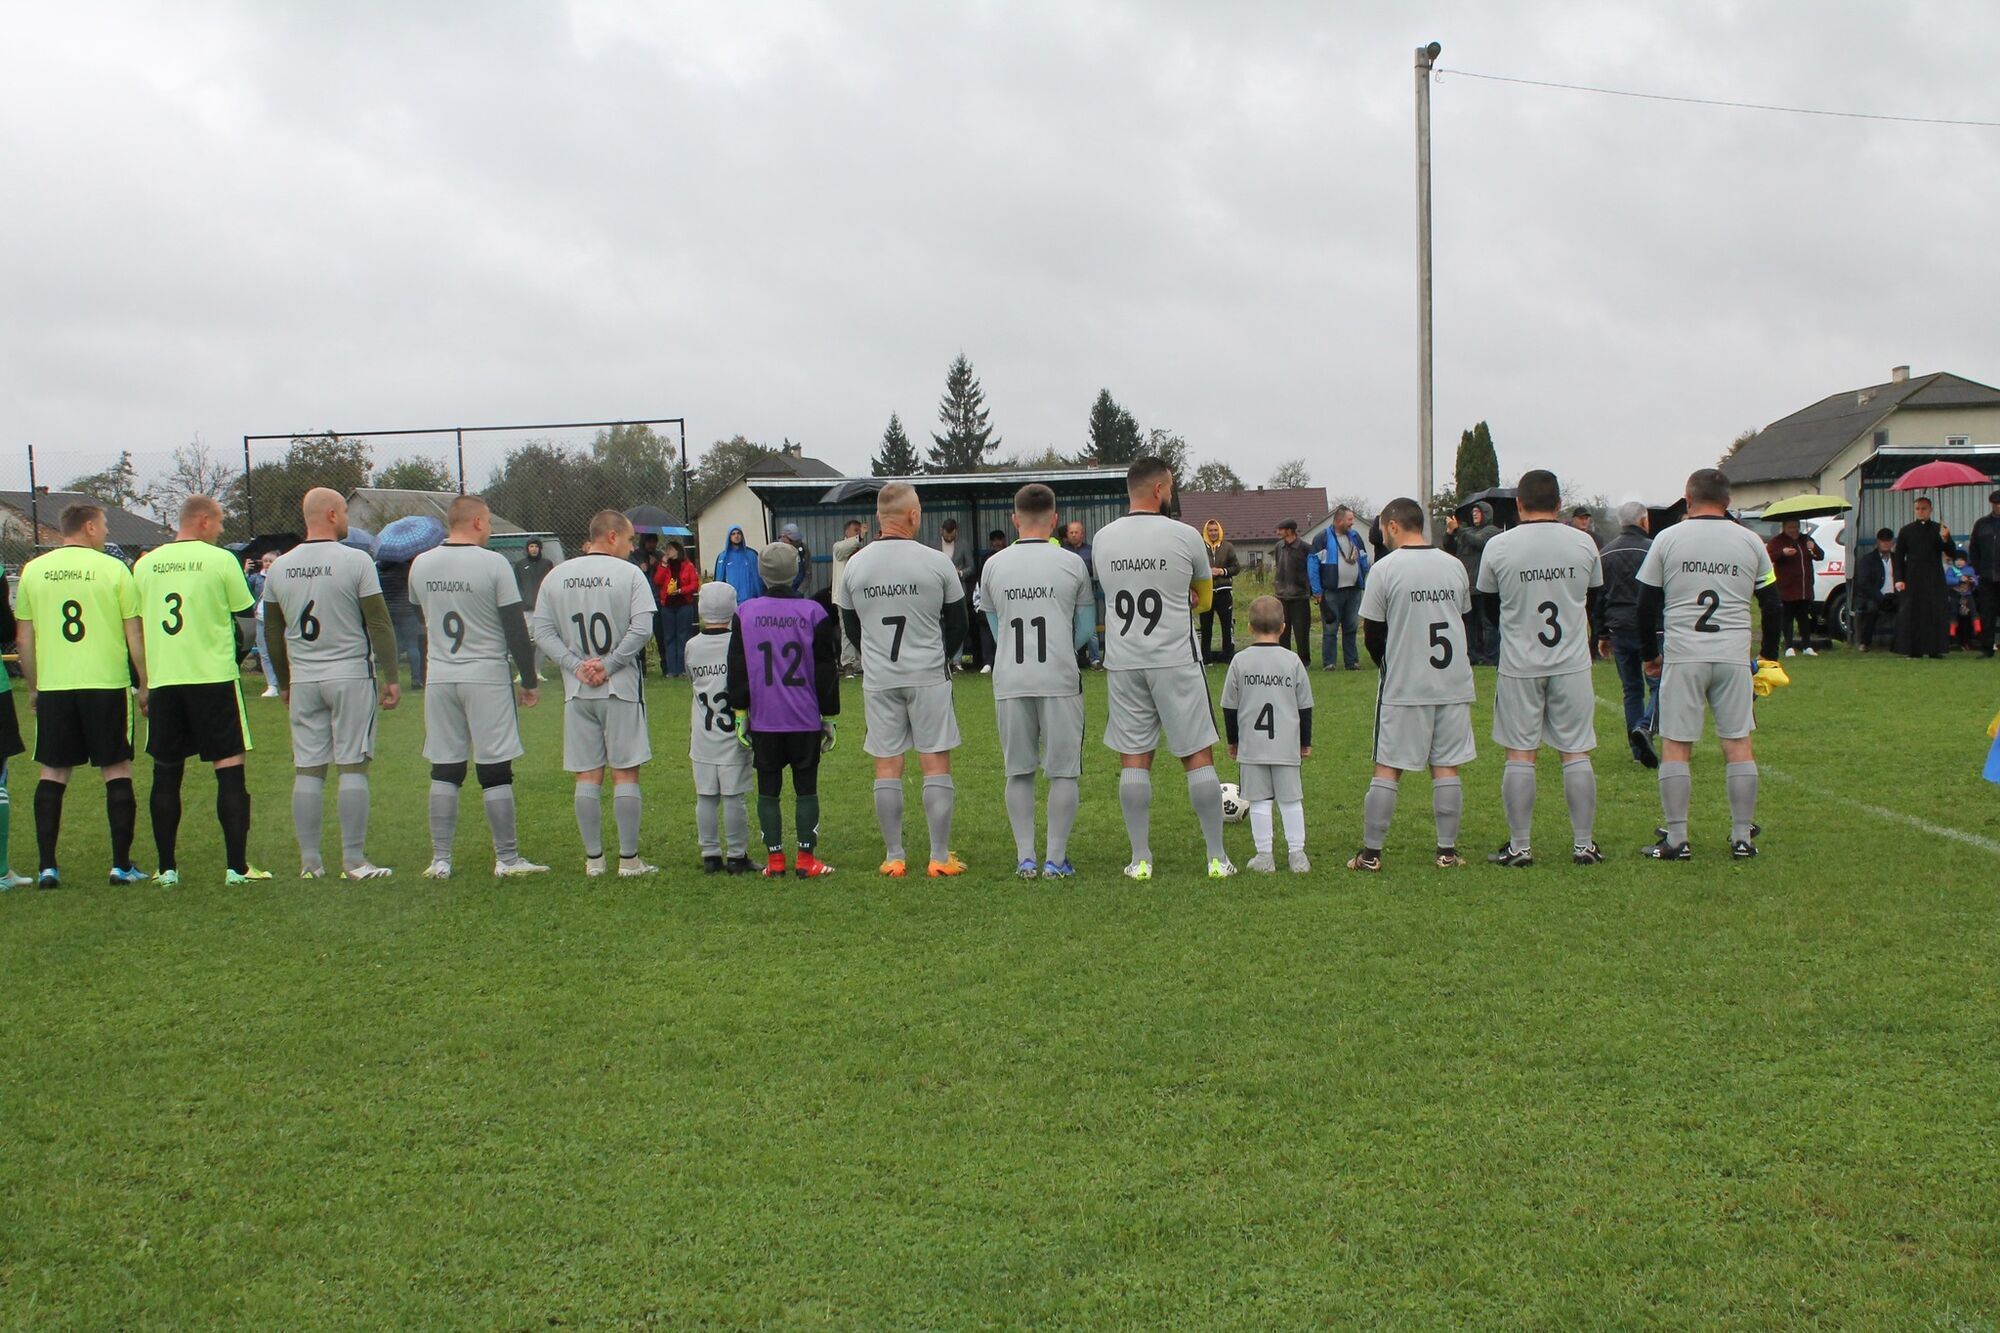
458	434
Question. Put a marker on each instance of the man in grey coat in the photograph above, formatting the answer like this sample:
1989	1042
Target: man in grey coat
1482	643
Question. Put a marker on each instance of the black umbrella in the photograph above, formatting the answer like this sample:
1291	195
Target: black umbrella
1661	517
280	542
652	518
1497	501
852	489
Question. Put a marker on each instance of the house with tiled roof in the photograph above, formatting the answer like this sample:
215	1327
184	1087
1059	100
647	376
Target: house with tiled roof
1250	518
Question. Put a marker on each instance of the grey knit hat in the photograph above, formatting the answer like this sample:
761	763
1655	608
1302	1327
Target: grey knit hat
717	603
778	564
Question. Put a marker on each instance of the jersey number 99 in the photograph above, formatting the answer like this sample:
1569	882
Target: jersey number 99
1130	608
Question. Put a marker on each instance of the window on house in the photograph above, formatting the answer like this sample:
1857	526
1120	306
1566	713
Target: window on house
1881	439
1957	441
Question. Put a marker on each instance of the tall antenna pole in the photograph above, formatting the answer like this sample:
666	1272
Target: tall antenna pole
1426	56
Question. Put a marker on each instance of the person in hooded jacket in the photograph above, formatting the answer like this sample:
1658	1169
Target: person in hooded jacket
736	565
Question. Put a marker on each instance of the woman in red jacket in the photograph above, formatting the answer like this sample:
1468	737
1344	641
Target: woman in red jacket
1792	557
676	582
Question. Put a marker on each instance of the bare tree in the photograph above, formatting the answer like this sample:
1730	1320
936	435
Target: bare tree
1291	474
196	470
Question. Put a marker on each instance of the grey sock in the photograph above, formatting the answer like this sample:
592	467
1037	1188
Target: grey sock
736	824
708	824
1517	799
889	814
1378	807
1135	797
308	793
1580	791
1676	794
444	819
499	803
625	807
1205	794
589	802
1447	804
353	801
1021	813
1062	817
939	796
1742	781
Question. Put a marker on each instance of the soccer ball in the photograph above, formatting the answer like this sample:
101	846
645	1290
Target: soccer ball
1234	808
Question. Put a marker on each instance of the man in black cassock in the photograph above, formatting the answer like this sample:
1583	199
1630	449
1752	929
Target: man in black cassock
1923	626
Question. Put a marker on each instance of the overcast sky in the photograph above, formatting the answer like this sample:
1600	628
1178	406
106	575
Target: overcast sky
784	219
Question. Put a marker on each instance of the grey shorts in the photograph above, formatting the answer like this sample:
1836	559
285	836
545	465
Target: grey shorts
1271	782
1413	737
605	733
468	720
1723	686
333	722
1530	712
909	717
1045	733
730	779
1152	702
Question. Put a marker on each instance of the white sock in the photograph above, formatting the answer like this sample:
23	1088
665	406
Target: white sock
1294	815
1260	826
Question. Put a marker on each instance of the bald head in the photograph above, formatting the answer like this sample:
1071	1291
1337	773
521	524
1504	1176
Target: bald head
897	510
200	520
610	533
469	520
325	514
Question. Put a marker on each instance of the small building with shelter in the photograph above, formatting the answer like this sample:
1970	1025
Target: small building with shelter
1854	444
737	505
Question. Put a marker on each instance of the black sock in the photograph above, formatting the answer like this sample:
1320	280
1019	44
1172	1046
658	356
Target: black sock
48	819
165	807
121	807
232	808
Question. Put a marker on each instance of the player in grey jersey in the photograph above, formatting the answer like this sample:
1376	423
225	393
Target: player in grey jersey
472	613
1268	684
722	767
592	618
1700	576
334	652
906	609
1039	606
1413	620
1538	582
1155	573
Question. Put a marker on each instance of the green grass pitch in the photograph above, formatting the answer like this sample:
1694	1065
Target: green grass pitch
1704	1094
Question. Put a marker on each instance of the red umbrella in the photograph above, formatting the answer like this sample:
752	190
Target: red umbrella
1931	476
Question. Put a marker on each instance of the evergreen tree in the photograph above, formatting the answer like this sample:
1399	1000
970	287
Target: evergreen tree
117	485
1477	467
967	438
1114	435
897	457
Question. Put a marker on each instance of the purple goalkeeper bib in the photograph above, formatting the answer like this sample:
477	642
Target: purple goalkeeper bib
778	655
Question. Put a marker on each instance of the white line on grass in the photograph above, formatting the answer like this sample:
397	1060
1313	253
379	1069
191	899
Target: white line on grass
1879	811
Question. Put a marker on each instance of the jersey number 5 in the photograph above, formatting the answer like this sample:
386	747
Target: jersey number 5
1442	658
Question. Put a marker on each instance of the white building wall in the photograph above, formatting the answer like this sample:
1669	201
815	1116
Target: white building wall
736	507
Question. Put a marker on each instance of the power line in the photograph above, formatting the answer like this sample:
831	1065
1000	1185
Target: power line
1713	101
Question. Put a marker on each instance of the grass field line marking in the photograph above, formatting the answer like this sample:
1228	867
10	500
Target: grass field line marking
1879	811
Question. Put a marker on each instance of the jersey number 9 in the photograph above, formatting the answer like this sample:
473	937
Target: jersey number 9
1130	608
454	628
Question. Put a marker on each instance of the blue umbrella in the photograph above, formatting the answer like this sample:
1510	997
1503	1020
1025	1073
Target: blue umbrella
361	539
408	537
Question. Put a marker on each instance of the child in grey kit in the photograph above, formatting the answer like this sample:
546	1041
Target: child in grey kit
1267	709
721	764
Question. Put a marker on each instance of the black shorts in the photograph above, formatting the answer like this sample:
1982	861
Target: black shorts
184	720
77	727
778	750
10	729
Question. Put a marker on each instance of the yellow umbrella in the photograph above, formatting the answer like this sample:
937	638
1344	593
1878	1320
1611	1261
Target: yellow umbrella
1807	506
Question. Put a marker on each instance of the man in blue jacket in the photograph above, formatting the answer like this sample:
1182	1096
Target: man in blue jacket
1337	572
736	565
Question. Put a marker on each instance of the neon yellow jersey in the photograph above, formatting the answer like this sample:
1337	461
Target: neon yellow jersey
189	595
78	600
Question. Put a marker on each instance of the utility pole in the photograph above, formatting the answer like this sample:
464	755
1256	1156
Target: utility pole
1426	56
